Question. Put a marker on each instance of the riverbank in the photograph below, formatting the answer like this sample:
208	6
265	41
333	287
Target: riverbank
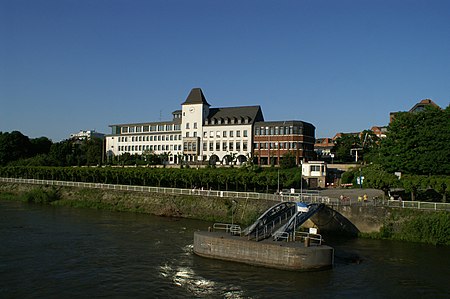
214	209
397	224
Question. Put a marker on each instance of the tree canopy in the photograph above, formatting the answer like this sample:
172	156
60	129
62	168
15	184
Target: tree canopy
417	143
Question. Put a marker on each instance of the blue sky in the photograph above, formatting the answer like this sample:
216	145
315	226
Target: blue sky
70	65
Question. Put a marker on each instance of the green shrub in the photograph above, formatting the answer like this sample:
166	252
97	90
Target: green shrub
41	195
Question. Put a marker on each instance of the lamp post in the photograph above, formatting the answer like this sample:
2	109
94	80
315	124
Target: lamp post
232	211
268	146
301	181
278	189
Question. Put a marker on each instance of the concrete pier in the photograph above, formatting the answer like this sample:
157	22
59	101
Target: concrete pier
268	253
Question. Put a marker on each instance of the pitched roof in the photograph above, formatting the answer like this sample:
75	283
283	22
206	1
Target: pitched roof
253	113
196	97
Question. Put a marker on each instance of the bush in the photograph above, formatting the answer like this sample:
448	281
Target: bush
42	196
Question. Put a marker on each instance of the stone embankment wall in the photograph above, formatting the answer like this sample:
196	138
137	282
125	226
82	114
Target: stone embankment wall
346	219
214	209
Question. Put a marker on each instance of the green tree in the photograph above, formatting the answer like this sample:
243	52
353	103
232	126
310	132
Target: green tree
94	150
344	145
14	146
417	143
288	161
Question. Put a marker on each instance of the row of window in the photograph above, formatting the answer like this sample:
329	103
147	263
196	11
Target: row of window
151	128
292	130
225	134
149	138
278	145
225	146
159	147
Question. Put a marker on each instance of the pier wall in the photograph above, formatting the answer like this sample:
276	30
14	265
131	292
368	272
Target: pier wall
280	255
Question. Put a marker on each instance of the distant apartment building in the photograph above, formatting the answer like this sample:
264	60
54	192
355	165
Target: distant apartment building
86	135
199	133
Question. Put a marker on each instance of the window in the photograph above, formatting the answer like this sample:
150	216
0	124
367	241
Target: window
218	134
131	130
315	167
187	134
195	134
277	131
205	134
238	133
224	146
168	127
281	130
153	128
195	125
204	146
145	128
245	133
211	146
231	134
217	146
244	146
187	125
124	129
138	129
185	146
256	145
224	134
160	128
257	131
211	134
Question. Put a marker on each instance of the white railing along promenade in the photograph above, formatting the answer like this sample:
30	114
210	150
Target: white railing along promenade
304	197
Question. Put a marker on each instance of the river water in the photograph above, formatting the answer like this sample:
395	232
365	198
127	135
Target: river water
61	252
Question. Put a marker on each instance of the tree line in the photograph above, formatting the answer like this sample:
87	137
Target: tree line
18	149
234	179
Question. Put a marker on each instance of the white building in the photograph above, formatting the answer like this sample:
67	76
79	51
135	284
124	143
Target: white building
315	172
84	135
196	133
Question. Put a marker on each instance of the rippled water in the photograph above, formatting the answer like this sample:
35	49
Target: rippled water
59	252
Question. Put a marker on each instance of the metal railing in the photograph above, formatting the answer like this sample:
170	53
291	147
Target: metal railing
234	229
315	239
304	197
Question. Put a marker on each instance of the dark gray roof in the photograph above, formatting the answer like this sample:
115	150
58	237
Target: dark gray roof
196	97
251	113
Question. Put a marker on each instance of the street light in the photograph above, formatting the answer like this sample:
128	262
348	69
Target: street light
268	147
232	211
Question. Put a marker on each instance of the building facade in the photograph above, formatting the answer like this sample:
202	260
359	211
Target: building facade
86	135
201	134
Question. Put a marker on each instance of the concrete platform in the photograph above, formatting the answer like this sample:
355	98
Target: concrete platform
268	253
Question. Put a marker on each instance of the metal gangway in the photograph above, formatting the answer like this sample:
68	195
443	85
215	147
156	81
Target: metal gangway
300	217
280	221
270	220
